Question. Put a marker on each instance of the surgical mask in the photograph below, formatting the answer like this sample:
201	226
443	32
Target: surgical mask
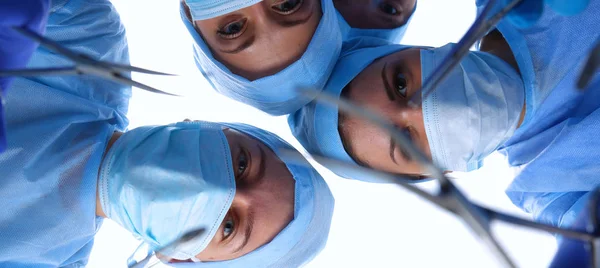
275	94
473	111
161	182
208	9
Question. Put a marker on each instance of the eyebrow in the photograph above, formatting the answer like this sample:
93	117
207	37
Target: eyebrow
393	150
247	231
241	47
388	89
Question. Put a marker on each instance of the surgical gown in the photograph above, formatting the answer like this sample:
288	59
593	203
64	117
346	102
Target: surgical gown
57	131
555	153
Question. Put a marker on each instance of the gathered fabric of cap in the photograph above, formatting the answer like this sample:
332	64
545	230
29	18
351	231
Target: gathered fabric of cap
316	124
394	35
208	9
58	128
542	66
276	94
473	111
305	236
161	182
554	153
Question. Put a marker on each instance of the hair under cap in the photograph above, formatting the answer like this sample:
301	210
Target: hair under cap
306	235
275	94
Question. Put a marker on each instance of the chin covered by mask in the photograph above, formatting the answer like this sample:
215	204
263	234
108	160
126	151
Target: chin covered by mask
160	182
275	94
473	111
393	36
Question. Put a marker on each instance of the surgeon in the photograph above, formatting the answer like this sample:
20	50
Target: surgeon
517	95
70	163
260	52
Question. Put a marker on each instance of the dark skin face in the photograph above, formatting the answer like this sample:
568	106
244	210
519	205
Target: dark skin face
385	87
376	14
262	206
262	39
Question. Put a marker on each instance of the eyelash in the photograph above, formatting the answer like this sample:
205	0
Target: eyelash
233	228
397	85
224	33
279	6
245	156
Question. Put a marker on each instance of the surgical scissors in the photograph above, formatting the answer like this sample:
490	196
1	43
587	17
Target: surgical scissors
478	30
145	262
448	197
83	65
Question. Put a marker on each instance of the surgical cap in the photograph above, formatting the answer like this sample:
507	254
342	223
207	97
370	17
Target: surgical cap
275	94
305	236
316	124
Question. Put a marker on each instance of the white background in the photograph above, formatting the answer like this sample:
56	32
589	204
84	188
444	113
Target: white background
373	225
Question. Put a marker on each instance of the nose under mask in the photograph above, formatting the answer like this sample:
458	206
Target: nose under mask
161	182
473	111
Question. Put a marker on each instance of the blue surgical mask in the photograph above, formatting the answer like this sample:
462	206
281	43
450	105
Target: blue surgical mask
473	111
275	94
164	181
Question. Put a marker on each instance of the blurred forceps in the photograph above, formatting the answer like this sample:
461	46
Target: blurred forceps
449	196
149	261
83	65
485	22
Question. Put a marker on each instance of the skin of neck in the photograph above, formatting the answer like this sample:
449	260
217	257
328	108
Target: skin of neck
495	44
116	135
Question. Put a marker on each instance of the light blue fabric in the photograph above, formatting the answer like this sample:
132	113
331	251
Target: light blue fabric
553	152
543	66
57	129
276	94
208	9
473	111
316	124
392	35
160	182
306	235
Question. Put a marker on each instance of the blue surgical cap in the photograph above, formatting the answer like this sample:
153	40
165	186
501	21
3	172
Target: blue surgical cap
394	35
208	9
275	94
305	236
316	124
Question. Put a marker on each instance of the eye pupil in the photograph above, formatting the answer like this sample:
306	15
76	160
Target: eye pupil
234	28
401	84
389	9
287	6
242	163
228	228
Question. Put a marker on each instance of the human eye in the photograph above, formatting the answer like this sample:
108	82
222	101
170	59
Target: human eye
388	9
228	227
233	30
242	164
401	85
286	7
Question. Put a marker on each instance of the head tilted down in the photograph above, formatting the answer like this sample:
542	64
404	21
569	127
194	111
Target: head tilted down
469	115
161	182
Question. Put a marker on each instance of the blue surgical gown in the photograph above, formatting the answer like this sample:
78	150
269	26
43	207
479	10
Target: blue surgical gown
555	153
57	131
